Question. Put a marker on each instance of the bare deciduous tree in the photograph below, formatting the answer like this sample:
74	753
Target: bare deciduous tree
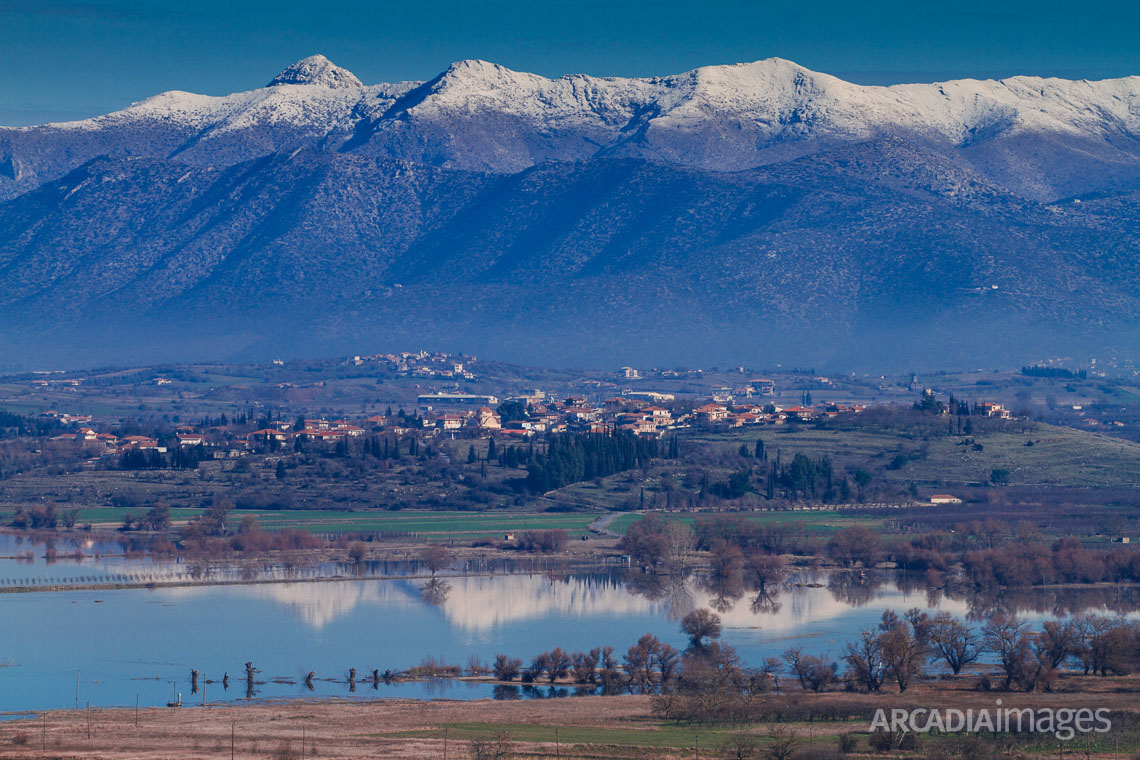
953	642
699	625
436	557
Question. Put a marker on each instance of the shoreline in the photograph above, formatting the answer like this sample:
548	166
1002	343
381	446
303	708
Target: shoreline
154	586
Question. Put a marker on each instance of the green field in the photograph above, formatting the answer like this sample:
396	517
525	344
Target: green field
427	525
466	525
1057	456
821	521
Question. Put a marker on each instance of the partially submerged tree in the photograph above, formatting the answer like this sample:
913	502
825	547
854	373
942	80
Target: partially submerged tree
700	625
436	557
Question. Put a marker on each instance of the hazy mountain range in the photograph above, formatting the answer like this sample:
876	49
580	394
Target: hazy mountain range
756	214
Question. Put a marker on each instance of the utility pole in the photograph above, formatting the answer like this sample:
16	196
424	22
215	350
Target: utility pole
88	720
136	710
232	740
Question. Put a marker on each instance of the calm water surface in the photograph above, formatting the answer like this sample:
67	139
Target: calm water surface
144	642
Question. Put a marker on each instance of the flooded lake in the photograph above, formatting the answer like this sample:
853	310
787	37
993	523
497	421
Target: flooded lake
144	642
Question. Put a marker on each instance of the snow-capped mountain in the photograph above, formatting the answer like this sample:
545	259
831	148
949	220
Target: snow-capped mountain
481	116
317	70
745	214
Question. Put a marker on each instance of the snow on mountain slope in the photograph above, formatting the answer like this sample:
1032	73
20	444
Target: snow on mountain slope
317	70
791	99
478	115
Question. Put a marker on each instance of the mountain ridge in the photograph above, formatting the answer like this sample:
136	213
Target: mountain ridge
756	213
482	116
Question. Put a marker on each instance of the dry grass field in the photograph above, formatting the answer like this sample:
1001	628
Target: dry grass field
574	728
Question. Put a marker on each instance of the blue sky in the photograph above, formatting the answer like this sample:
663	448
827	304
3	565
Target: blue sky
76	58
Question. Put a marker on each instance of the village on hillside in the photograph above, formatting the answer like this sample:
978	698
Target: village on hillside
450	412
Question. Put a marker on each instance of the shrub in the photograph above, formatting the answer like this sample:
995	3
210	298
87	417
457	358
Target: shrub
847	743
497	748
356	552
506	668
544	541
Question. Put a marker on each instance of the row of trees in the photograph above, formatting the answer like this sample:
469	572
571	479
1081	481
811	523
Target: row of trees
654	541
644	668
990	553
900	649
15	425
46	517
648	666
1037	370
805	477
712	685
1063	561
178	458
576	457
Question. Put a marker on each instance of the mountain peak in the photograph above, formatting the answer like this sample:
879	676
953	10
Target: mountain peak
318	70
475	66
485	72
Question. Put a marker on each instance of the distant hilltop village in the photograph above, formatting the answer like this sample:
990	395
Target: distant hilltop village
521	415
455	396
427	429
604	407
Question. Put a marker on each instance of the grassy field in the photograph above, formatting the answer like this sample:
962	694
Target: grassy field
465	525
1044	455
654	735
427	525
822	521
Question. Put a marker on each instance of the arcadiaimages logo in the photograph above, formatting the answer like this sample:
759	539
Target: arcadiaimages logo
1063	723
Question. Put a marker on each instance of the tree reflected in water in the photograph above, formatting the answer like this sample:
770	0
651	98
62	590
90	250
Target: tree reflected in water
435	591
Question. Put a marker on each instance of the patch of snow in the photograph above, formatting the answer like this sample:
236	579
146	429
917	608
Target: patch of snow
317	70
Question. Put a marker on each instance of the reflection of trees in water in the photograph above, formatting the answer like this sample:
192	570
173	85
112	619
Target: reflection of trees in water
858	588
766	603
680	598
544	692
436	687
1055	602
503	692
649	585
855	587
435	591
672	588
726	591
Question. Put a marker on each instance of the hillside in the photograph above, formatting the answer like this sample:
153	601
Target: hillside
755	214
659	263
